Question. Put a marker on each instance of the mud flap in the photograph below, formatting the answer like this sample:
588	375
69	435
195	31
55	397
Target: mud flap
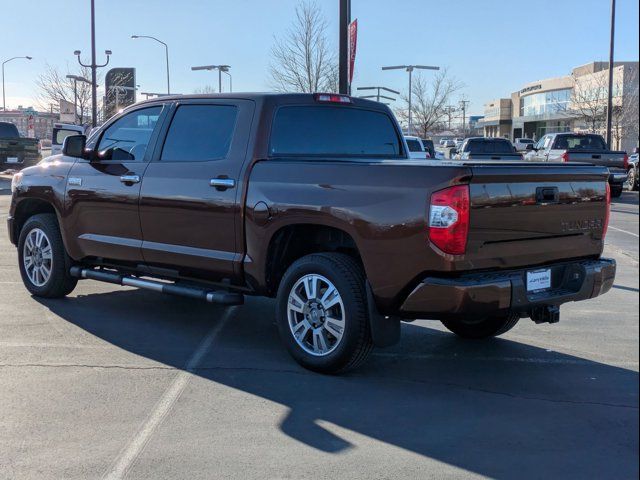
385	331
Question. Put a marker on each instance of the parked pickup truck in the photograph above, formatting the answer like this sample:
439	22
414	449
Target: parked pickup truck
16	152
313	200
585	148
486	148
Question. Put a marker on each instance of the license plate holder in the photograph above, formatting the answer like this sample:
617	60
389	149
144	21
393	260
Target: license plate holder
12	159
538	280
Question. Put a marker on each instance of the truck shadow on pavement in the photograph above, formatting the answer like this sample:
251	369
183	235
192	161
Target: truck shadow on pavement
497	408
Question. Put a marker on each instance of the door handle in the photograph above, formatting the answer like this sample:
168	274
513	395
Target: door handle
130	178
222	183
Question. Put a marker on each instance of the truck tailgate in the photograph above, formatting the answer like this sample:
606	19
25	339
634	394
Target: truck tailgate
534	214
597	157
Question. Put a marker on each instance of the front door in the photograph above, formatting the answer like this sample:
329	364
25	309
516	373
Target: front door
189	201
103	193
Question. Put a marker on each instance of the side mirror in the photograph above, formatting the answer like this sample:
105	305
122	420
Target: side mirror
73	146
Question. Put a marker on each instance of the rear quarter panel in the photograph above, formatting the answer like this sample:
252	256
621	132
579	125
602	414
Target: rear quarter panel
382	205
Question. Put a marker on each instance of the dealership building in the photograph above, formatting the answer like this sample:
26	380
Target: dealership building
575	102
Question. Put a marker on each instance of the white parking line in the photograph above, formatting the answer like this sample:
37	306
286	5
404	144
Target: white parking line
135	447
623	231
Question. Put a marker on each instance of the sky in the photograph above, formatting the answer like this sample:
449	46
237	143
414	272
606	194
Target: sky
492	46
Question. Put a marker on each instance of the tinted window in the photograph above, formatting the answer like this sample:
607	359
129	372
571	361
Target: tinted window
333	131
526	140
59	134
200	132
489	146
414	146
129	135
8	130
580	142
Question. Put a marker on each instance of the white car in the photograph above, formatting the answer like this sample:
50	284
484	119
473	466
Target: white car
62	131
416	148
521	143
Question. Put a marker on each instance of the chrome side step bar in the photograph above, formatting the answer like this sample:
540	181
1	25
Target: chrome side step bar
211	296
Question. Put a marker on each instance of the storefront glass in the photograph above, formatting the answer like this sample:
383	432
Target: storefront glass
551	102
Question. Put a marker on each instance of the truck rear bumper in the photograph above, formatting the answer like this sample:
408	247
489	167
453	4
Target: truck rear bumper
484	294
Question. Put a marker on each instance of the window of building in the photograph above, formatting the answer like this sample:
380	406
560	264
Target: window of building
551	102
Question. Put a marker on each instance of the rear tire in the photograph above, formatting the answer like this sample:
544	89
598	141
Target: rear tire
484	328
324	330
44	263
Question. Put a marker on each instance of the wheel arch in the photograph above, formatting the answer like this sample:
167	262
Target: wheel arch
293	241
27	208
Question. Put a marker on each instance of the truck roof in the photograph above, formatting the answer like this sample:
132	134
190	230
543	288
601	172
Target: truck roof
260	96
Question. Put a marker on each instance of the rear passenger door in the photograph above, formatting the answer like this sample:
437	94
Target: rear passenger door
191	192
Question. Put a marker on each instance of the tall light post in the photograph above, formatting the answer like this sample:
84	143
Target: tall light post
4	105
410	69
94	67
166	53
220	68
76	79
230	79
610	94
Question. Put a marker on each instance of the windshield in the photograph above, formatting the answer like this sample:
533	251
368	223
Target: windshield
580	142
482	145
316	130
8	130
414	145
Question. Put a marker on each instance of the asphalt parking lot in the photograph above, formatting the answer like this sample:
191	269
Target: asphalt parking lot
114	382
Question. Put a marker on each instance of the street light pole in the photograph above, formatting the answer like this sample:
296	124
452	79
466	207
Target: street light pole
378	95
76	79
4	105
166	53
610	94
343	48
94	67
410	68
220	68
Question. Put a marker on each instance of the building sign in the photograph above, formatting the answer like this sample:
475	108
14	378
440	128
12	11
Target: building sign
353	40
530	89
67	114
120	90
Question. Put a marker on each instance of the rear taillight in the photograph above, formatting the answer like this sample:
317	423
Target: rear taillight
449	219
607	214
626	161
332	98
565	157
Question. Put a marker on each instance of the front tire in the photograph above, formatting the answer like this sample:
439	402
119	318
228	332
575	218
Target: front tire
322	313
484	328
44	263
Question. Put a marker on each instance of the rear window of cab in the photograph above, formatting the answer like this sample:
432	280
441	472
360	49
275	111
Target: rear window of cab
332	131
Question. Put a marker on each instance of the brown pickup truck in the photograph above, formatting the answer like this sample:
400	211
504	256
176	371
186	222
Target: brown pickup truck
310	199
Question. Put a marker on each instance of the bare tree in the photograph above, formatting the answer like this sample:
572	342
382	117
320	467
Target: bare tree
53	86
625	110
205	89
589	100
302	60
429	101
